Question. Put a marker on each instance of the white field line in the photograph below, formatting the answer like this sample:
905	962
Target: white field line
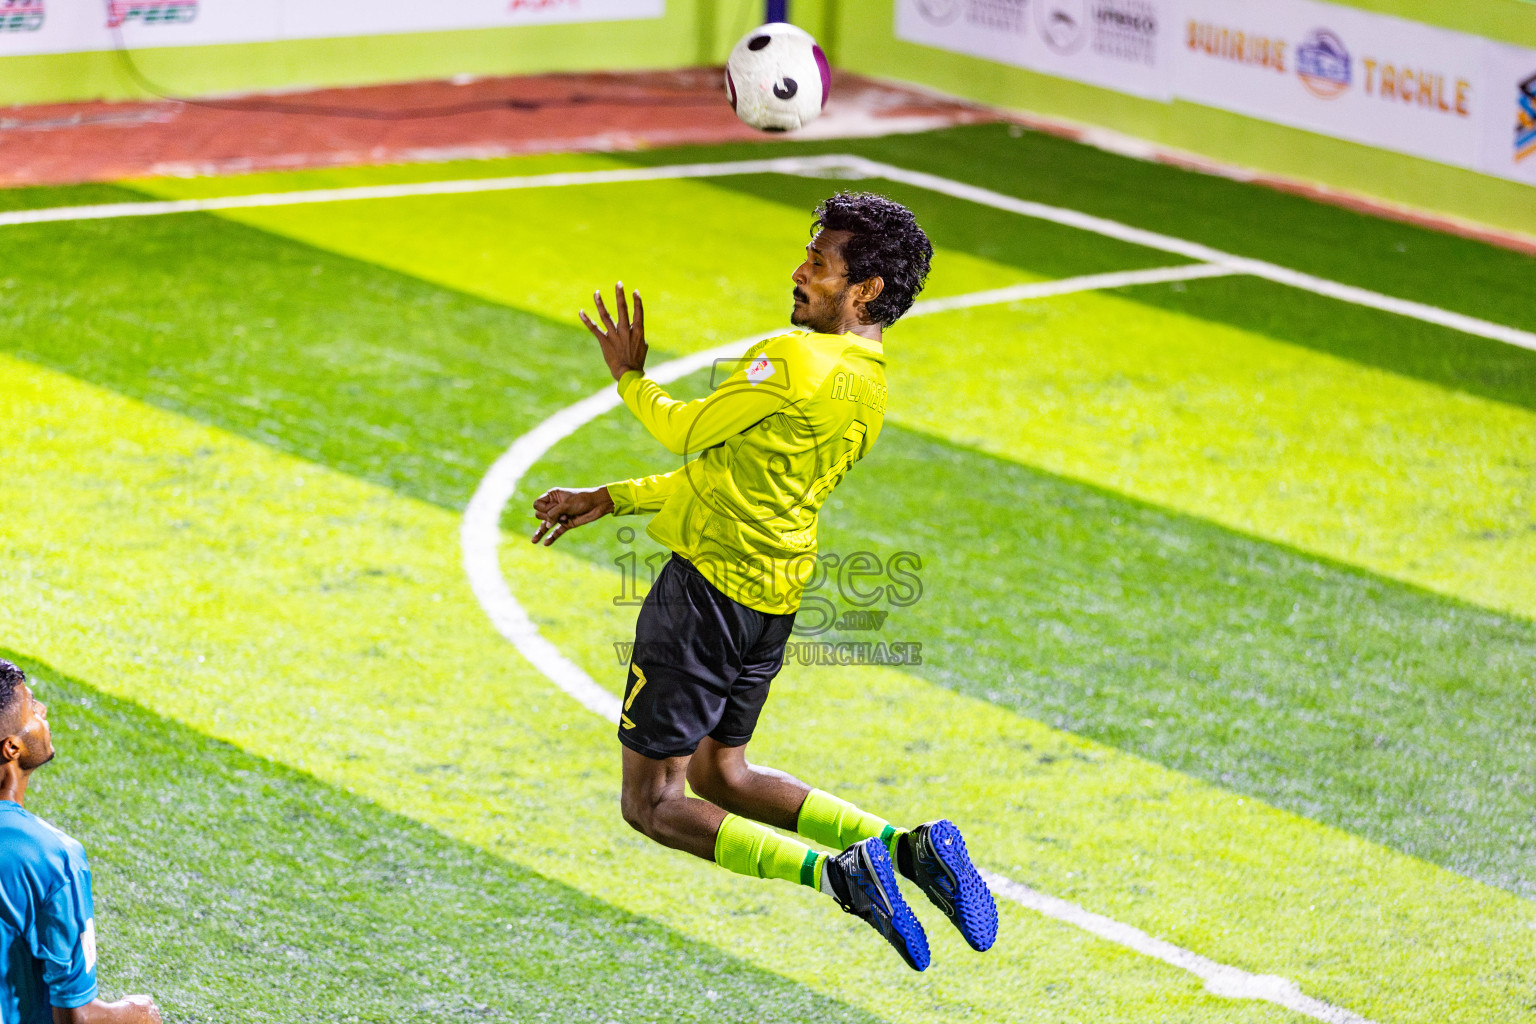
832	166
1219	979
1065	286
404	190
1196	251
480	540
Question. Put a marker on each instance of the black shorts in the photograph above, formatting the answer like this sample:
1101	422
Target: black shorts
701	666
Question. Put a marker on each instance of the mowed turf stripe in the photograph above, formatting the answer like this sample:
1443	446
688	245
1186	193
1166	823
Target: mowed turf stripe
257	597
1327	699
318	600
1402	478
1389	257
1388	474
530	248
45	196
1403	347
401	382
1362	703
233	887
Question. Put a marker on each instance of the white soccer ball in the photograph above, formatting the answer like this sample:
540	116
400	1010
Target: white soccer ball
777	78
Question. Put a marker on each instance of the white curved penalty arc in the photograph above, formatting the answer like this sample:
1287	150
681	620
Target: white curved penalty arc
480	532
480	539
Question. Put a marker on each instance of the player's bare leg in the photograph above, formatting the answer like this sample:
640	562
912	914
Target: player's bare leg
656	804
723	776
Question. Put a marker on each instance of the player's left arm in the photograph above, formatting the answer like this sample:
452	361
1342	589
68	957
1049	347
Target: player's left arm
688	427
66	950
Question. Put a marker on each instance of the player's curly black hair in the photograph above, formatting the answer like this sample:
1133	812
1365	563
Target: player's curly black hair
886	243
11	679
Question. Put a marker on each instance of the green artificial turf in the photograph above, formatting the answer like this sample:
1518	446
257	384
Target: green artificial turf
419	388
45	196
1395	713
1412	348
394	380
229	586
1376	707
234	888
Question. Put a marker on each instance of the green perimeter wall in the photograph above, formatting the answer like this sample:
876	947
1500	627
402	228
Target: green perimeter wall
859	36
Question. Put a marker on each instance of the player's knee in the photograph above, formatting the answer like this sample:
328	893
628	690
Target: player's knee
707	781
633	812
719	783
639	813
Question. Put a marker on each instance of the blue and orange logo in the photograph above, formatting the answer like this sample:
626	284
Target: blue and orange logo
1322	62
1525	120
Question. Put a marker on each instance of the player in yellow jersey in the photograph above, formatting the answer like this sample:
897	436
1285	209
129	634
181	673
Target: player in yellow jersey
772	441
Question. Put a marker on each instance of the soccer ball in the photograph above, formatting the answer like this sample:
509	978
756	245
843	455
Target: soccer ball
777	78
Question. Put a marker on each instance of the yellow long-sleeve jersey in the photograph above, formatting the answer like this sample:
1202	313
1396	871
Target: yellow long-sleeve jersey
774	438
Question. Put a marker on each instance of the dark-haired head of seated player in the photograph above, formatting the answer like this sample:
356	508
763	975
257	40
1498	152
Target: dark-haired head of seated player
863	268
26	744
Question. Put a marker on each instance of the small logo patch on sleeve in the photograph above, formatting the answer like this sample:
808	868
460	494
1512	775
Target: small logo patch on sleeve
760	370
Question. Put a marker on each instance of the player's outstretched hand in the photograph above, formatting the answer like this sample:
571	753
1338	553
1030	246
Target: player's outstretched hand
560	509
623	343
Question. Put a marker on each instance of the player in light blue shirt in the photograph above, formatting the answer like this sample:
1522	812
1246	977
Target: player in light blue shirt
47	925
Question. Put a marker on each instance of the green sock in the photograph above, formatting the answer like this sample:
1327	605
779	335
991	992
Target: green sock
748	848
837	823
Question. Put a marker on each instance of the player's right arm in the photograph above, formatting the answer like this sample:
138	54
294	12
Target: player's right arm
560	509
646	493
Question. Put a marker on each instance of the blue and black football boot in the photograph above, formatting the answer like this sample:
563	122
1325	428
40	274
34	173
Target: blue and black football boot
933	855
863	882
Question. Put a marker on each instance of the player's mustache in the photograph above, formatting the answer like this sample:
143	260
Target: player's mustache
800	296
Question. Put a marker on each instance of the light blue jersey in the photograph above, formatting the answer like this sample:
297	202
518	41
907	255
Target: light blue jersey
47	924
